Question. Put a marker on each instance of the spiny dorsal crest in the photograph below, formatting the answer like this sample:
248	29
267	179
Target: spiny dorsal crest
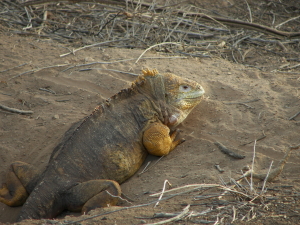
148	72
123	94
142	78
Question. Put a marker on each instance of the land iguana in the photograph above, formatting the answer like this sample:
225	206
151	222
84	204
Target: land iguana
105	149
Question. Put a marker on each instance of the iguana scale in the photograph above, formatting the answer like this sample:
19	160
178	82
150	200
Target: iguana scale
105	149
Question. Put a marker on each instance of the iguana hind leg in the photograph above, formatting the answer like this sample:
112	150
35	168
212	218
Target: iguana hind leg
158	140
93	194
18	184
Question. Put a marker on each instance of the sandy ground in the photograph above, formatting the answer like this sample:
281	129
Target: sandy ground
74	94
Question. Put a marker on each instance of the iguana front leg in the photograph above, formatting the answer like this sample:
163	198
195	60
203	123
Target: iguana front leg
19	178
170	115
158	140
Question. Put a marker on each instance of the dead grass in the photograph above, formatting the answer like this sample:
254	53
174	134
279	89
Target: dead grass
196	32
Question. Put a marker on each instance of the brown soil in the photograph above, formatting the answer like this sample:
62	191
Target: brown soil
59	98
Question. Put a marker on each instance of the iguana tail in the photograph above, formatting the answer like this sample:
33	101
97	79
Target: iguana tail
44	202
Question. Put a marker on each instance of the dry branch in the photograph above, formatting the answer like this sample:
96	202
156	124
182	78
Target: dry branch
122	60
112	70
294	18
141	23
147	168
273	173
92	45
243	24
252	26
168	215
118	210
163	190
179	216
228	151
13	110
13	68
39	2
232	22
38	69
164	43
219	168
199	186
294	116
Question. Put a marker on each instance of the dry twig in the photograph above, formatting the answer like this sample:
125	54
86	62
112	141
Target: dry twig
38	69
219	168
290	19
122	60
269	177
249	9
147	168
247	25
179	216
89	46
242	103
112	70
229	152
294	116
164	43
13	68
258	139
13	110
163	190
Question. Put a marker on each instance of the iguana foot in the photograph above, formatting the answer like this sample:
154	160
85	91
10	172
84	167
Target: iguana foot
93	194
170	116
14	192
158	141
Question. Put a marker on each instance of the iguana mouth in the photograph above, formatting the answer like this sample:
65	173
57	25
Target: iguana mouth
196	95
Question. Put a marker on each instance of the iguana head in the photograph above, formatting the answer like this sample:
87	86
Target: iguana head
183	94
180	94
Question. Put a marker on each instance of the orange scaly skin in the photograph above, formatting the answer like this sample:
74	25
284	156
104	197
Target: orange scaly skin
158	141
105	149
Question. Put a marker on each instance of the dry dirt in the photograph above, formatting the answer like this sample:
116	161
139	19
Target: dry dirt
59	98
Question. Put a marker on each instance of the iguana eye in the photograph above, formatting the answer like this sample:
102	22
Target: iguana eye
184	88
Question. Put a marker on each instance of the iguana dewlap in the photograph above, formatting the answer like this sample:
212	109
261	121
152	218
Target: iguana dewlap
105	149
